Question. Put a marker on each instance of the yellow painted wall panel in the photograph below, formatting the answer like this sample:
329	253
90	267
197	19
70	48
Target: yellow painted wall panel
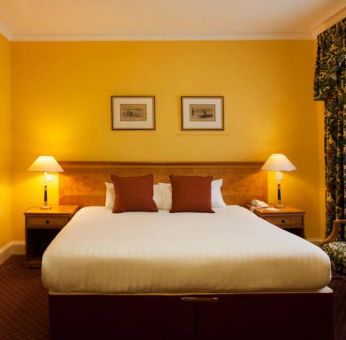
61	106
5	143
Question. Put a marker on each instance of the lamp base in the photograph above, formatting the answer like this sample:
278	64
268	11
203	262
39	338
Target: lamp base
279	206
45	207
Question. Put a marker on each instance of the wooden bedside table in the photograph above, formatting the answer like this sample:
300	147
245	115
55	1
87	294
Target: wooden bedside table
290	219
41	226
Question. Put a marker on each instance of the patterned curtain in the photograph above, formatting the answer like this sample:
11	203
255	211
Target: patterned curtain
329	86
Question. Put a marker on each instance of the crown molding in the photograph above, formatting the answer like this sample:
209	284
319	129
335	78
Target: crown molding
329	18
159	37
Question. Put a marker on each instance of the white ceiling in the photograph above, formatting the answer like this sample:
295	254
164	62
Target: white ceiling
164	19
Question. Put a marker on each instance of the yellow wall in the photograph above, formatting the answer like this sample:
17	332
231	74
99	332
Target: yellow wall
61	106
5	143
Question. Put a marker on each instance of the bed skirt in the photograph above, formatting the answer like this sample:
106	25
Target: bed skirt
269	316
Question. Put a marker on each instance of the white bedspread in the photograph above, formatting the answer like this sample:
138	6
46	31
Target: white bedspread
229	251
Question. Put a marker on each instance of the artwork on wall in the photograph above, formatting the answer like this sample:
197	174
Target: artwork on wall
202	113
133	112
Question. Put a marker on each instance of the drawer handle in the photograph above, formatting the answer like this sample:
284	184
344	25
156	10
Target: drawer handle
199	299
47	221
283	221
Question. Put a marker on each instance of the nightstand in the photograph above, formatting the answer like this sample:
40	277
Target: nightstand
41	226
290	219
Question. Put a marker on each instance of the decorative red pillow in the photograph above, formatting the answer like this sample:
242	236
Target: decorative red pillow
133	193
191	193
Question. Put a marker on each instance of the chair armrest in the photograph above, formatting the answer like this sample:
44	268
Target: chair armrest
334	233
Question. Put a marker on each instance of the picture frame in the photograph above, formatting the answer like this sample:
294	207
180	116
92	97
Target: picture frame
133	112
202	113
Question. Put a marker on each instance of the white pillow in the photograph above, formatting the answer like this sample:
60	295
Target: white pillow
157	196
216	195
110	196
166	192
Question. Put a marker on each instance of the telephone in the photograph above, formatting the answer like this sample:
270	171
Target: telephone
259	204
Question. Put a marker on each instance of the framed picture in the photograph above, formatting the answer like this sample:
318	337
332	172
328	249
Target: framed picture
202	113
133	113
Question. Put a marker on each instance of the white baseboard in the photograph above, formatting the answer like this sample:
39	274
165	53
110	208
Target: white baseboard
11	248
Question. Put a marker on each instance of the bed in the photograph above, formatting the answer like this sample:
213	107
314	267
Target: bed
228	275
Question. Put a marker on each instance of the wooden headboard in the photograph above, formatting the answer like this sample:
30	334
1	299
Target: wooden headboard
82	183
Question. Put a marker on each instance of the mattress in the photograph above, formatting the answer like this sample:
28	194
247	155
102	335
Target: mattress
232	250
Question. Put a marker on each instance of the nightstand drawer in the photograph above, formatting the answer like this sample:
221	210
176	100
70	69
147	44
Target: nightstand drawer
285	220
54	221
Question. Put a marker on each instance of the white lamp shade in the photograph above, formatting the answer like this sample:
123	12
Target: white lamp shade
46	164
278	162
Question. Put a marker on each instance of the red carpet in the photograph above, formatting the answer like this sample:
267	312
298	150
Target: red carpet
23	302
24	307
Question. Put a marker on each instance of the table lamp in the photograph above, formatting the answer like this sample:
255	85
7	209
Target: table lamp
278	162
45	164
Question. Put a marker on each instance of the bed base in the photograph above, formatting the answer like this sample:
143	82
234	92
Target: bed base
269	316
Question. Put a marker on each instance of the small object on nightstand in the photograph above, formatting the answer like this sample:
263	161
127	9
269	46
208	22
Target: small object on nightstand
259	204
273	209
41	226
290	219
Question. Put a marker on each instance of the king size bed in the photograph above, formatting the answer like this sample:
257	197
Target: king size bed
141	275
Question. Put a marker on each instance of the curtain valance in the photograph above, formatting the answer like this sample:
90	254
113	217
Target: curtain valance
331	59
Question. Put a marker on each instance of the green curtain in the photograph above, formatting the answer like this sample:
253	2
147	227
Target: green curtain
329	86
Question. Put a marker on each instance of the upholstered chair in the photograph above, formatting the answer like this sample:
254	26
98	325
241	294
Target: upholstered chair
336	249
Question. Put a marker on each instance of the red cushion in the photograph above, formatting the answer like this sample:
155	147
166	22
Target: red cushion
191	193
133	194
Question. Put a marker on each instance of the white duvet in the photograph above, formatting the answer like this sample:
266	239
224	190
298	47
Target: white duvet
161	253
